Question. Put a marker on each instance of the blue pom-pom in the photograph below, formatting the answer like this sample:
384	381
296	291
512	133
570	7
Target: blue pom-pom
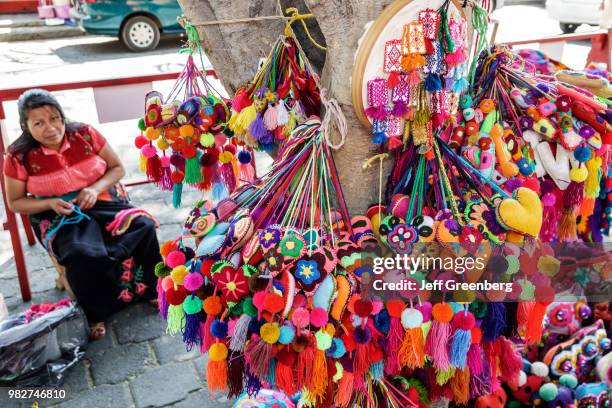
339	349
582	154
244	157
287	334
381	321
255	325
219	329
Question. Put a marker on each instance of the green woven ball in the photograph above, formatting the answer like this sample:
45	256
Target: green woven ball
141	124
192	305
161	270
549	392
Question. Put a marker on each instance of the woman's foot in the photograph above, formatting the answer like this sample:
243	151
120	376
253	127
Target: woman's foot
97	331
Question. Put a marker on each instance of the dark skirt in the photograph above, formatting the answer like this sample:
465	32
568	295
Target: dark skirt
105	272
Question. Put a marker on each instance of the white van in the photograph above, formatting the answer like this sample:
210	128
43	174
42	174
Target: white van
572	13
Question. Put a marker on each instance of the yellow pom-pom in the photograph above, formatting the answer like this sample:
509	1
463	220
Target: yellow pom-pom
217	352
269	333
186	131
225	157
207	140
178	274
152	133
162	144
578	174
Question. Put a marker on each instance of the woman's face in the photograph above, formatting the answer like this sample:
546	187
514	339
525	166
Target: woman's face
46	126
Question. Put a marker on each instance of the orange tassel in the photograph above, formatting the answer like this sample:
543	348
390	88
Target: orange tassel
412	62
535	324
361	364
345	390
567	226
587	207
460	386
318	384
412	350
216	375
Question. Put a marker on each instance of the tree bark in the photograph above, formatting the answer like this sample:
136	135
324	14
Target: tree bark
234	51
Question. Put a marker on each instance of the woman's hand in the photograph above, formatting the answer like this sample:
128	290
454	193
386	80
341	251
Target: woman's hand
87	198
60	206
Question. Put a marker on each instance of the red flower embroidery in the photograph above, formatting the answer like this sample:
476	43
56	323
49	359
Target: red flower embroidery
140	288
127	276
128	264
126	295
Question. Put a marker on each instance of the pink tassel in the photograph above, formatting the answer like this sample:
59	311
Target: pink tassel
247	172
455	58
270	118
166	180
437	344
207	337
228	176
259	355
396	335
474	359
394	142
240	101
376	112
414	78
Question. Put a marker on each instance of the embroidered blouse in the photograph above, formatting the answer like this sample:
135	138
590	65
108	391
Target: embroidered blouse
51	173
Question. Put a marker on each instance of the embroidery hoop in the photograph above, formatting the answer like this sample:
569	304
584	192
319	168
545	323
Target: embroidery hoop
369	58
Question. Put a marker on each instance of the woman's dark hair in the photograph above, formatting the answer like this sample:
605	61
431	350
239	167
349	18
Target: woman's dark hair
32	99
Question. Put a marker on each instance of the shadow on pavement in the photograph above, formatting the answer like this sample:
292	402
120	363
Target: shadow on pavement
110	50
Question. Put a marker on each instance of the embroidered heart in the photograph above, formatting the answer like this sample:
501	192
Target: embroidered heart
522	213
233	283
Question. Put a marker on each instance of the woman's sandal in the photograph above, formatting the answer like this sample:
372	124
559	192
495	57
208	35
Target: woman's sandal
97	331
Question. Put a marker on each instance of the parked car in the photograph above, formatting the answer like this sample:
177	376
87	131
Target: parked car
573	13
139	24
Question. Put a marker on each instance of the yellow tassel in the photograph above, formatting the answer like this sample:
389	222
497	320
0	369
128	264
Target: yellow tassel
591	184
142	164
244	119
442	376
291	124
318	386
232	121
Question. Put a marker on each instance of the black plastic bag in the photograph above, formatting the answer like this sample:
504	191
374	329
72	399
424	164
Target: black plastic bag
40	352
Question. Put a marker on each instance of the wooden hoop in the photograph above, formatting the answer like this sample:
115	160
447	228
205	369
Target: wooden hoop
365	49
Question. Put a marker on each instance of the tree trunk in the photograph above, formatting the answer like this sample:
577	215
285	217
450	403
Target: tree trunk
234	51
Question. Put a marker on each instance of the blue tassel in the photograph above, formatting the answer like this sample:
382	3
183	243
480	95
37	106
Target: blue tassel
271	374
459	348
494	322
433	83
379	138
191	332
460	85
177	192
377	370
219	192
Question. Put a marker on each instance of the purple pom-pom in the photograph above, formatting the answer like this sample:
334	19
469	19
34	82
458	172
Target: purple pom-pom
177	160
362	335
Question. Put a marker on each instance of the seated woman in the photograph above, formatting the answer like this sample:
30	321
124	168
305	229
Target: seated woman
65	176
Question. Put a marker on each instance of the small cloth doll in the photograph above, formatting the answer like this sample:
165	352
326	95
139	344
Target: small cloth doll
413	46
393	62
